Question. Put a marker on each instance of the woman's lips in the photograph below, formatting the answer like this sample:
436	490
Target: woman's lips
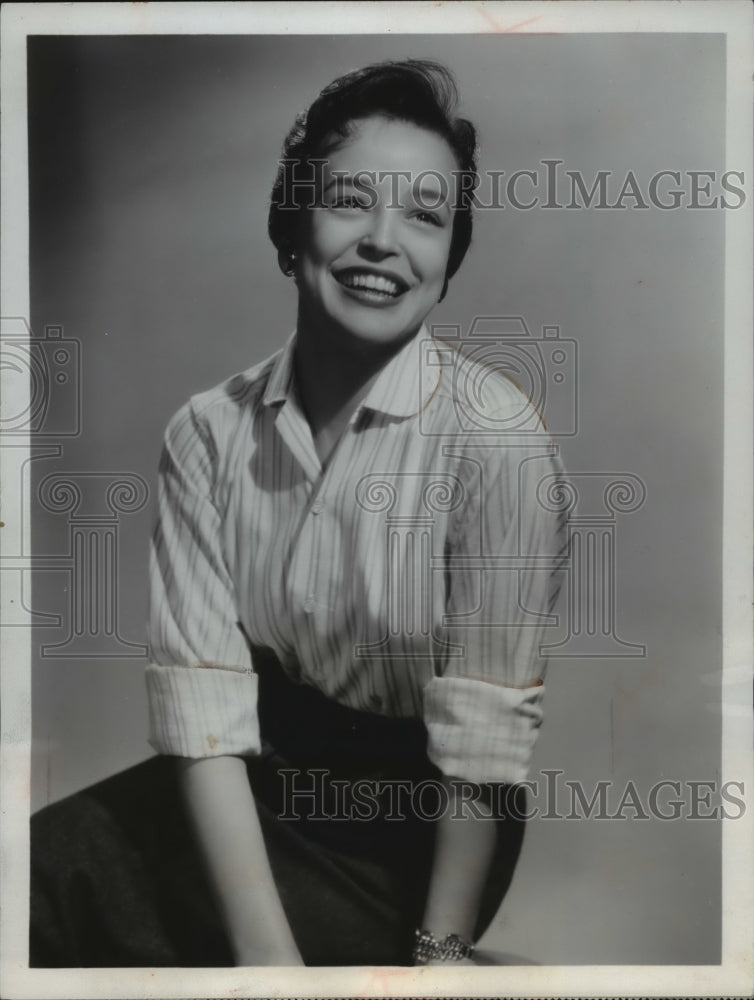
370	284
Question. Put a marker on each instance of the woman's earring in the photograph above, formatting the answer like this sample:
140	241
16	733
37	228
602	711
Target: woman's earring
290	265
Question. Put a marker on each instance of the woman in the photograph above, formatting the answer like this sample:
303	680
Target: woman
343	686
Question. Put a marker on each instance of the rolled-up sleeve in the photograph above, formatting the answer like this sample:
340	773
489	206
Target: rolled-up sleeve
201	688
483	707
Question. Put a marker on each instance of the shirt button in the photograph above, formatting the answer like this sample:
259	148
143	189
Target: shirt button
318	506
309	604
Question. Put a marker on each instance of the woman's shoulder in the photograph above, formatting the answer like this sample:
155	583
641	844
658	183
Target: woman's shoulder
221	409
481	393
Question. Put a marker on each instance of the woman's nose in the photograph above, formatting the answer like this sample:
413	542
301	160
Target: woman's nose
380	237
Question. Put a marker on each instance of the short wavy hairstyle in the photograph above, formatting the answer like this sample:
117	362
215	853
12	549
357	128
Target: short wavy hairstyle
413	90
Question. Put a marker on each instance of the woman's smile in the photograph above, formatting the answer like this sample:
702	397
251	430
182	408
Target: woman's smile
372	287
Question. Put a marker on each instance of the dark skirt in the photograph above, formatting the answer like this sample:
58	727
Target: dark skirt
117	880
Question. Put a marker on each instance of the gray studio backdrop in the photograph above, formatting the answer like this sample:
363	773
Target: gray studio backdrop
151	161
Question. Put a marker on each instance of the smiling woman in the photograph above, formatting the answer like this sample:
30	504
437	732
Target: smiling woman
323	624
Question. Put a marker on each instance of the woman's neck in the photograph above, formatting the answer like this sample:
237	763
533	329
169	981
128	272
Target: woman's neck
333	379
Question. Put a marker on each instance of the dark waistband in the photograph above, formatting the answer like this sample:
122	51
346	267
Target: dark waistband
310	729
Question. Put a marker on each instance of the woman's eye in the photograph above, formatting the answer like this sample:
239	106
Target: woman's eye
429	218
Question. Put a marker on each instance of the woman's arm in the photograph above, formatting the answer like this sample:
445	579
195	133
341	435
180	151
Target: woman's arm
483	710
203	691
224	814
463	854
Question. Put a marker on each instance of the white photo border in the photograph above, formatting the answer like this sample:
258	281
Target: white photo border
735	975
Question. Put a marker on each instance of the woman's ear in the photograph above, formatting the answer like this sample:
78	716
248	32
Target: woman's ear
287	262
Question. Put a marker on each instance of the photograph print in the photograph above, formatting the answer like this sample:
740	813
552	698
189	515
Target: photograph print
374	478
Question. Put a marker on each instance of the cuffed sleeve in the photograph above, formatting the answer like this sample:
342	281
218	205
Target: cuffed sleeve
481	731
202	712
505	558
200	684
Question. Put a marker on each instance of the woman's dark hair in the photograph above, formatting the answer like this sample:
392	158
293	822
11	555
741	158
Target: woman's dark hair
413	90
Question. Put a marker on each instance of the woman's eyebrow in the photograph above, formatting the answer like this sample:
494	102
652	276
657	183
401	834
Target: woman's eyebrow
427	192
431	194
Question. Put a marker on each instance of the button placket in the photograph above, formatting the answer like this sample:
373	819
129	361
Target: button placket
317	504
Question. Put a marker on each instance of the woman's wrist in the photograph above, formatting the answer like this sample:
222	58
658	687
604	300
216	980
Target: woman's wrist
463	852
258	940
430	948
260	954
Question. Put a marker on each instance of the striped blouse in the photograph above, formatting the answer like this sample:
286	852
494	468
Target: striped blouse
414	575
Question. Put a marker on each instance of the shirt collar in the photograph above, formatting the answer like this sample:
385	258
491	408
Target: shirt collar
408	381
403	387
281	377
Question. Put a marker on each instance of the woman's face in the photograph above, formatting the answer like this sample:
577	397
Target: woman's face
373	254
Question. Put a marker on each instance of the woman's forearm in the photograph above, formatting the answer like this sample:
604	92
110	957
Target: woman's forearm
463	854
222	807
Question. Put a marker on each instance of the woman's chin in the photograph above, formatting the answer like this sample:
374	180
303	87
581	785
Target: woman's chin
377	337
361	328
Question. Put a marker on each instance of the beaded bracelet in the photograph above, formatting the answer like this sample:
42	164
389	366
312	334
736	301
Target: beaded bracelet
428	948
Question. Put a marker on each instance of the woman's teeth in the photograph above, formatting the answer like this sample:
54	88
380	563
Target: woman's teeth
370	283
